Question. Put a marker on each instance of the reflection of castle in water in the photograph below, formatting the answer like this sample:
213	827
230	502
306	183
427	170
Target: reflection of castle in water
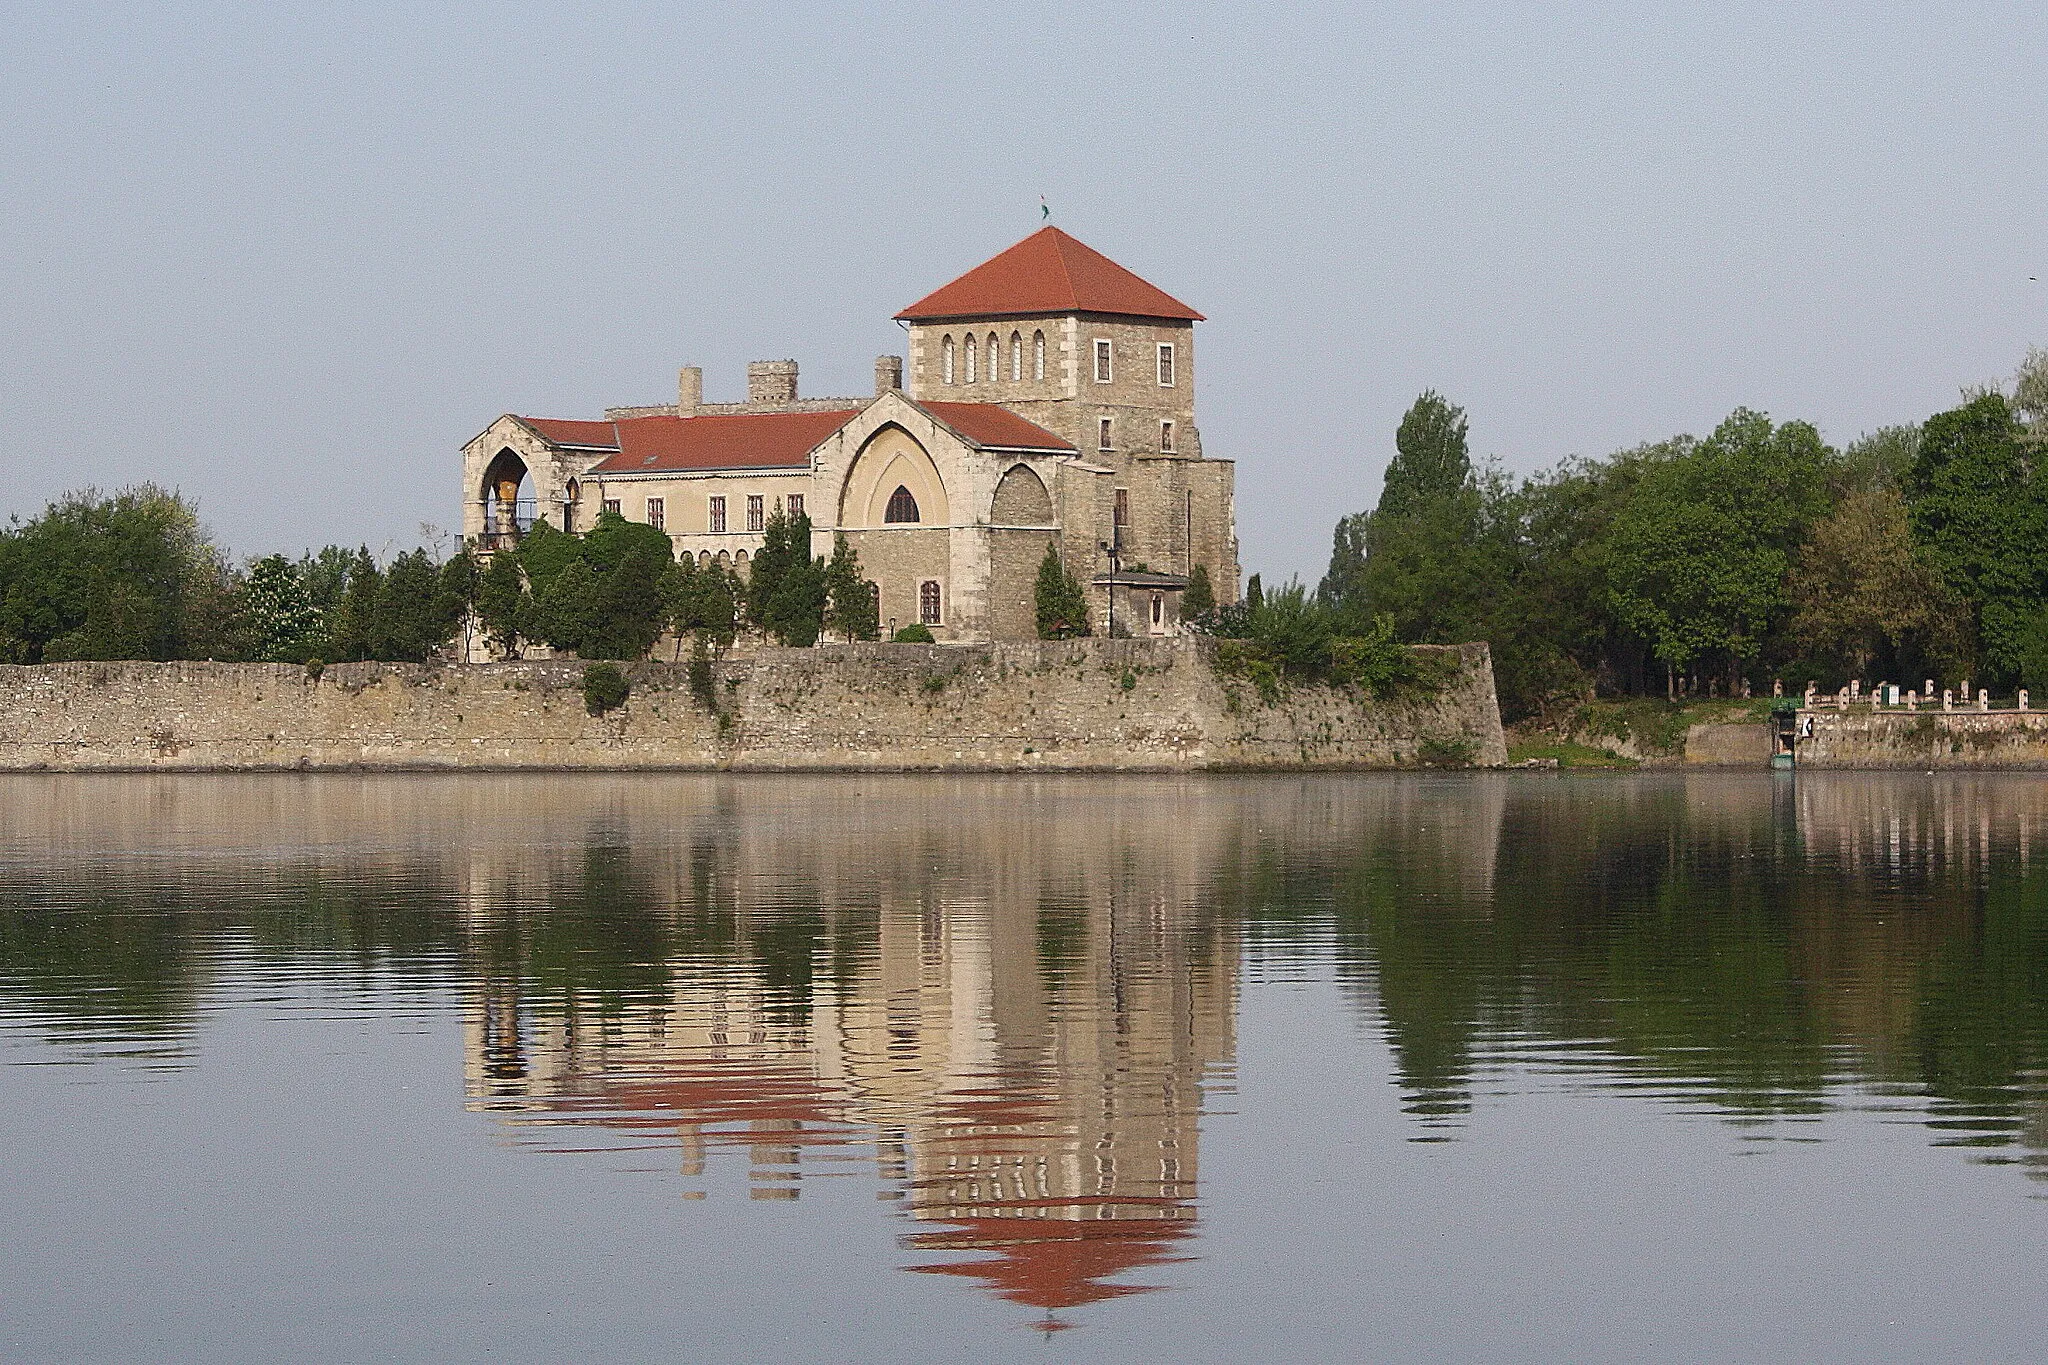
1019	1053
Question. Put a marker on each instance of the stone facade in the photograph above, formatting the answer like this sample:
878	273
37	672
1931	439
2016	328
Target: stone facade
1081	705
1109	470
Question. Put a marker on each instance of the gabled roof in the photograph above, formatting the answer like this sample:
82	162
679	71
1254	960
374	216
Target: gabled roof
740	440
766	440
988	425
1048	272
588	435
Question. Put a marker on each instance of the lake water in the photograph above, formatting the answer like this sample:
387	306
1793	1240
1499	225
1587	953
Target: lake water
908	1068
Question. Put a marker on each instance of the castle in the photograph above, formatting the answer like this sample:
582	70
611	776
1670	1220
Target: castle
1050	400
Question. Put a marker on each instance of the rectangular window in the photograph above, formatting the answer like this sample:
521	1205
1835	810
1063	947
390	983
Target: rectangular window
757	517
1122	513
928	603
796	505
1104	432
1102	360
655	513
1166	438
717	514
611	505
1165	364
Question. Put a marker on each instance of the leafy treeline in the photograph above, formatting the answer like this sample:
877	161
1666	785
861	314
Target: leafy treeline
1701	565
135	576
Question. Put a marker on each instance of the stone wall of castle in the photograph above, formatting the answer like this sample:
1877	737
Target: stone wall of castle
1086	705
1864	737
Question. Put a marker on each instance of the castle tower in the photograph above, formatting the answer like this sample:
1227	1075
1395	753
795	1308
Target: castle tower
1063	336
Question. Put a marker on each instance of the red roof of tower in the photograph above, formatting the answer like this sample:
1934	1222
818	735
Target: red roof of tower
1048	272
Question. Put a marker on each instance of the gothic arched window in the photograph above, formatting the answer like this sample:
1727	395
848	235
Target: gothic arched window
1016	356
1038	355
902	507
995	358
946	358
928	603
971	375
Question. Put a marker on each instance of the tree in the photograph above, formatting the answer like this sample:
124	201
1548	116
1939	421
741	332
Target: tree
284	625
853	605
1345	579
1977	504
354	629
786	587
1869	603
1062	608
1198	603
503	605
415	616
461	581
130	576
545	552
565	614
1697	558
1430	461
630	611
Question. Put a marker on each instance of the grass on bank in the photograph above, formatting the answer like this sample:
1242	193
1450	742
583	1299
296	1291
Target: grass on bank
1567	753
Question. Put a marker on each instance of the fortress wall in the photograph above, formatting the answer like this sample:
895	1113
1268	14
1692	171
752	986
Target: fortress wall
1024	707
1868	738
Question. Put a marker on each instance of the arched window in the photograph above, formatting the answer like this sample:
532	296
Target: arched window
995	358
946	358
1038	355
928	602
971	375
902	507
704	559
1016	356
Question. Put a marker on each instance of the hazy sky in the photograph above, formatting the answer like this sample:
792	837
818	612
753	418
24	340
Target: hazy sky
290	262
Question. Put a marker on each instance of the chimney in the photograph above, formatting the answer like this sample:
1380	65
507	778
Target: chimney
888	373
771	381
689	391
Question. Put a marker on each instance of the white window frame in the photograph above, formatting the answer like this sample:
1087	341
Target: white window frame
795	503
1167	372
1105	361
657	512
757	512
609	505
714	514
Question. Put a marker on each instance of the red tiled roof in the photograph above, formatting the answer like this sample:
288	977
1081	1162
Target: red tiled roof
567	433
986	424
1048	272
750	440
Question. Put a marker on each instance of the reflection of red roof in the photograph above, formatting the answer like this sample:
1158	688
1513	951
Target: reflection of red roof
1055	1262
985	424
567	433
1048	272
741	440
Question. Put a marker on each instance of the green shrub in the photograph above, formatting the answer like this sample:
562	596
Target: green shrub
1440	752
604	688
916	635
314	668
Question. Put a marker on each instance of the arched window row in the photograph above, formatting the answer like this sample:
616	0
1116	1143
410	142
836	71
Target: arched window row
976	359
